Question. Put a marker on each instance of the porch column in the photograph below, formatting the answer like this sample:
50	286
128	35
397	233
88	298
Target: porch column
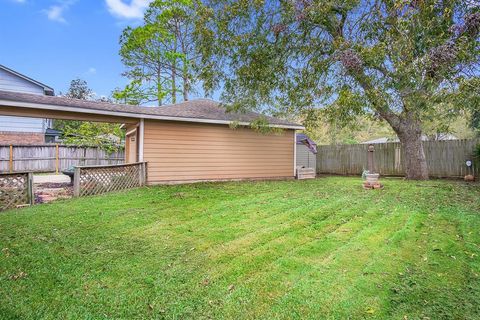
294	153
140	140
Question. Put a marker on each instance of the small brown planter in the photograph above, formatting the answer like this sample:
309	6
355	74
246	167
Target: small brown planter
372	182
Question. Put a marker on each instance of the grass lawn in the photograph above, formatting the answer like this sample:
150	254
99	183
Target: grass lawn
322	248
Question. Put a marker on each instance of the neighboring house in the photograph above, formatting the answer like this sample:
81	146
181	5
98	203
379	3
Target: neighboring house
306	151
438	137
22	130
185	142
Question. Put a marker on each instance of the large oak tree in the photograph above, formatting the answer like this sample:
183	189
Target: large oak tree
403	61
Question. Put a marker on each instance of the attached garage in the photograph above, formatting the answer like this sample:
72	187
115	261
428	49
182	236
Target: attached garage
190	141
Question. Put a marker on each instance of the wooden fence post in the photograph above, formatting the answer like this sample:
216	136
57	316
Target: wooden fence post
143	174
97	157
31	195
10	162
57	164
76	182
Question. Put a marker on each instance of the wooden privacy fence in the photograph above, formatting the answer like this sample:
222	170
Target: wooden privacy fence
92	180
16	189
445	159
53	157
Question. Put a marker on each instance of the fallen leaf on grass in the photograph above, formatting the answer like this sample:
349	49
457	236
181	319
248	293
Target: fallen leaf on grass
19	275
6	252
180	195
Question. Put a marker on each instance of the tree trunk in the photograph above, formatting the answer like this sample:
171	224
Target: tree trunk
159	88
174	65
413	154
174	83
185	86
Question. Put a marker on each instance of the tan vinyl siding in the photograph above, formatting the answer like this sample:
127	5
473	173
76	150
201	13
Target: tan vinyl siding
131	154
180	151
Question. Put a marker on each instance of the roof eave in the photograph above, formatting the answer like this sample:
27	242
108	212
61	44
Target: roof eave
9	103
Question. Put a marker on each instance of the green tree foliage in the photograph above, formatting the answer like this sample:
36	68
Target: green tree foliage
471	92
107	136
78	90
396	60
132	94
364	128
159	55
475	122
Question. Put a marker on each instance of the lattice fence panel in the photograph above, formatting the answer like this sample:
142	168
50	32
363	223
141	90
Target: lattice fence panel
15	190
102	179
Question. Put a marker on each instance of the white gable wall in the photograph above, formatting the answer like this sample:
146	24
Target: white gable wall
11	82
22	124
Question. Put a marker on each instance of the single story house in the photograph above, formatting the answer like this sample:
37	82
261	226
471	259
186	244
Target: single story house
306	152
23	130
184	142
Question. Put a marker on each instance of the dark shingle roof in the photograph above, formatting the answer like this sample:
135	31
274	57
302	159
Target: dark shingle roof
199	109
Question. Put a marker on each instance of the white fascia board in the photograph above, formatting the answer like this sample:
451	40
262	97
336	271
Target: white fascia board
8	103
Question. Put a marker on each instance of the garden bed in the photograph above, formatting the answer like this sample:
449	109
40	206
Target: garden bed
48	192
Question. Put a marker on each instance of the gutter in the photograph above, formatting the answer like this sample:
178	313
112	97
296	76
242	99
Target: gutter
8	103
